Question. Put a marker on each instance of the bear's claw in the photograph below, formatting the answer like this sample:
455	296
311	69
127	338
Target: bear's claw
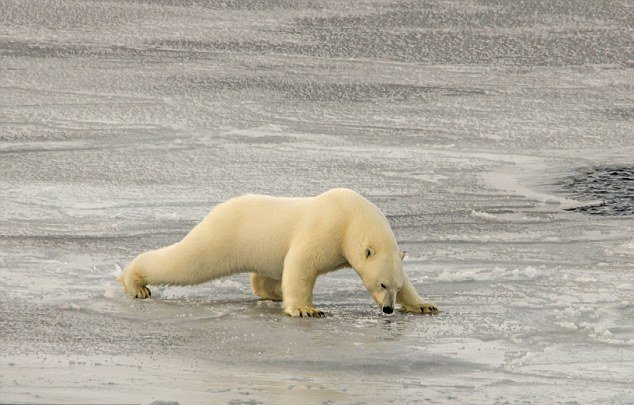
421	308
143	293
428	309
306	312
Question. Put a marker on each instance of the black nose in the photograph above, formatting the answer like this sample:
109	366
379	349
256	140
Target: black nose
388	310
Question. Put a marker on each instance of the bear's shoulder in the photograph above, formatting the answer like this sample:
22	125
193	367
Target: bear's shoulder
342	193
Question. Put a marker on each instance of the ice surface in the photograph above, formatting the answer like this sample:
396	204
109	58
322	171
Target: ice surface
123	122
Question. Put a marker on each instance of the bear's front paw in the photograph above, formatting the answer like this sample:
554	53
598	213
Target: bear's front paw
430	309
143	293
422	308
308	312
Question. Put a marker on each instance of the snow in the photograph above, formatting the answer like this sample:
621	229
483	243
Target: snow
123	122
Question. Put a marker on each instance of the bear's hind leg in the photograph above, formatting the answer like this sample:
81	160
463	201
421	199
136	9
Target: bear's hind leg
266	287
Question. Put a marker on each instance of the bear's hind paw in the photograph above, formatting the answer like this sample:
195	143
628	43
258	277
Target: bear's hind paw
305	312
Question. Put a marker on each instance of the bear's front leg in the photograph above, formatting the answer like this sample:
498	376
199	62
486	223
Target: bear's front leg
297	289
409	299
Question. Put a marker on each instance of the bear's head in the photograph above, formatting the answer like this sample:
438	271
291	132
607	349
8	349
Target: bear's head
370	248
381	269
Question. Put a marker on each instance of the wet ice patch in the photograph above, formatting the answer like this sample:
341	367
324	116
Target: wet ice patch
494	274
428	176
510	217
490	353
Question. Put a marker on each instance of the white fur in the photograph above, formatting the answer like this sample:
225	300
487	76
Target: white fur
285	243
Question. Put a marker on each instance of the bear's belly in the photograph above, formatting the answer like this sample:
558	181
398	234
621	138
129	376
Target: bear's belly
261	257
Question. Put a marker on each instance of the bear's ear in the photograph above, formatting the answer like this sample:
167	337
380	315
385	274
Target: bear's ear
403	254
368	252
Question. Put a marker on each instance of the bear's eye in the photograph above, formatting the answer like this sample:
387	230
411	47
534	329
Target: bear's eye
383	285
368	252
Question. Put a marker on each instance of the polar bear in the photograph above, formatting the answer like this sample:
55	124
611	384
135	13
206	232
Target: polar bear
285	243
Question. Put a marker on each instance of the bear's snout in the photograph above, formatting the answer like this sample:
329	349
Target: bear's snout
388	309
